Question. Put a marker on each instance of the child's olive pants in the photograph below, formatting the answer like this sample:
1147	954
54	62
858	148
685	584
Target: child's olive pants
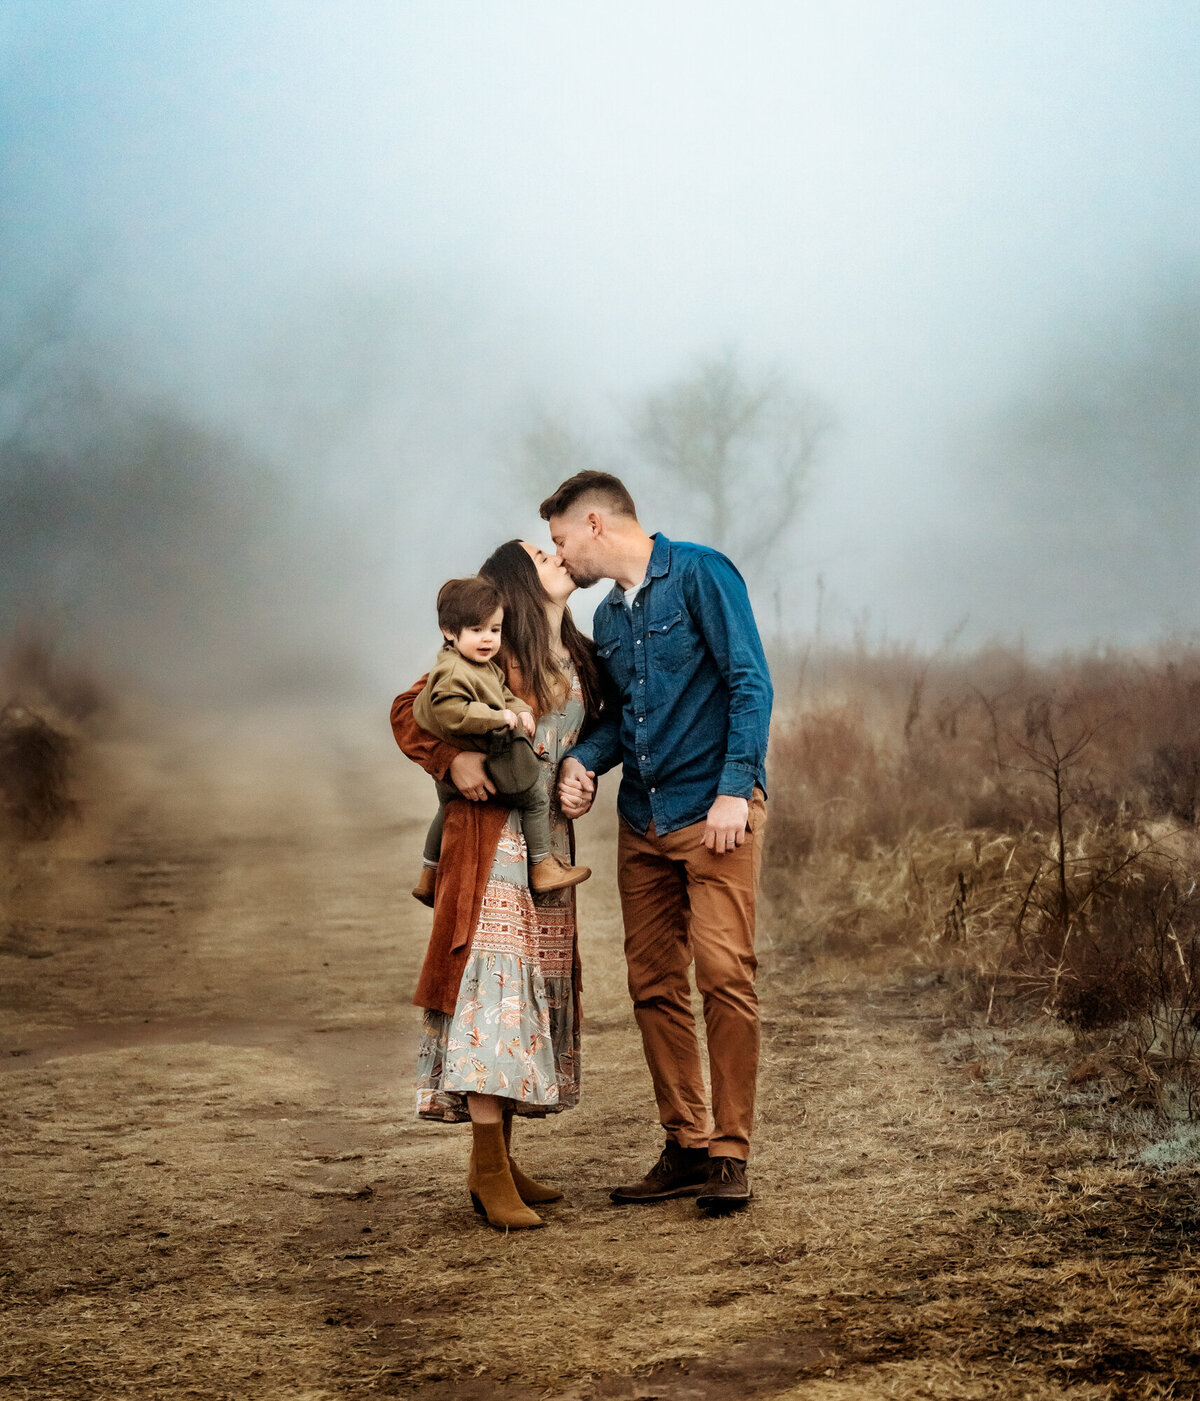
515	769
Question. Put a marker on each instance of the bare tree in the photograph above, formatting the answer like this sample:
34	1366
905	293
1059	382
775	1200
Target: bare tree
744	445
549	447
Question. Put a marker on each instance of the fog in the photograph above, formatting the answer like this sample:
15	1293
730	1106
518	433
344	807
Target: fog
293	291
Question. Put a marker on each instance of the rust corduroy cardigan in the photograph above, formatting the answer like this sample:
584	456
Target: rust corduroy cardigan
471	833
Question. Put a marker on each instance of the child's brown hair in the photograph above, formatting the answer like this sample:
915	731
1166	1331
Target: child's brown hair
466	603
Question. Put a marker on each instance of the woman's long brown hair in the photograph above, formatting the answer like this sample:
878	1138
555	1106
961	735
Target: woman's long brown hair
526	633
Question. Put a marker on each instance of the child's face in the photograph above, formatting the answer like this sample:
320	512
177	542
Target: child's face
481	641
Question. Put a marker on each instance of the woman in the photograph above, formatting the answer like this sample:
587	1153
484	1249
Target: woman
500	983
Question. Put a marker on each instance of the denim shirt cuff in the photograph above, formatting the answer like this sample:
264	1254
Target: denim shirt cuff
737	780
583	754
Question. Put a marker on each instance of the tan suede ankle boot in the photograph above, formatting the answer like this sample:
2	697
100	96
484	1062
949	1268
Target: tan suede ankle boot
489	1180
553	874
529	1189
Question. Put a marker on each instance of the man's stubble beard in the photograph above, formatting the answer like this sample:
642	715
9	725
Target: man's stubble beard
584	581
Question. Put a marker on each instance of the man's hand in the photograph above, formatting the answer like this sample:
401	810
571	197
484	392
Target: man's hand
576	788
469	776
528	723
725	827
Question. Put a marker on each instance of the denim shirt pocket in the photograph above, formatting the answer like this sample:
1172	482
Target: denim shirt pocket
671	640
612	657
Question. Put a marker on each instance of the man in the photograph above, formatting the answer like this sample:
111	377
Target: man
692	704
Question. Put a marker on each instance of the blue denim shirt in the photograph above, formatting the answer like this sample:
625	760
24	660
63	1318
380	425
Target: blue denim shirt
692	692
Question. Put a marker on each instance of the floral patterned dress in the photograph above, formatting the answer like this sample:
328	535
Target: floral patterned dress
514	1031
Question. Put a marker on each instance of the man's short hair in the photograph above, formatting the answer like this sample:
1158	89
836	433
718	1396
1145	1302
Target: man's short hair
466	603
603	487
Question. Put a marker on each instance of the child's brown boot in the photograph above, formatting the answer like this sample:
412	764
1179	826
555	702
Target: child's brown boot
423	890
553	874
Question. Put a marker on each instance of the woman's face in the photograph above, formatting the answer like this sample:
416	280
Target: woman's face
551	572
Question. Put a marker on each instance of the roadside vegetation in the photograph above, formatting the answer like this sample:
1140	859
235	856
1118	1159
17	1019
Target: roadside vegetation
44	707
1024	833
49	716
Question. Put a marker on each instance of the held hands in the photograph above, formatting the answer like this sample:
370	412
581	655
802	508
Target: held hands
576	788
725	827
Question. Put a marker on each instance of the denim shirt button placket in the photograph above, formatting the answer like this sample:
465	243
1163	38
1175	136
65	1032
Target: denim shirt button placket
640	664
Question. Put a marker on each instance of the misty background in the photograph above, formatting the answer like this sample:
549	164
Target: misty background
306	306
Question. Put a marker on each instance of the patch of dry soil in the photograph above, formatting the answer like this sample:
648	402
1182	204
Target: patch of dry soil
214	1187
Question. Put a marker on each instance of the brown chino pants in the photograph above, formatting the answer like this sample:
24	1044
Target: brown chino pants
682	904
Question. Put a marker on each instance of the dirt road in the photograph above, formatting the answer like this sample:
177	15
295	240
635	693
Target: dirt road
214	1186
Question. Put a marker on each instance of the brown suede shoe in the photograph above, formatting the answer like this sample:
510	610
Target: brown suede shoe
726	1188
553	874
679	1172
426	881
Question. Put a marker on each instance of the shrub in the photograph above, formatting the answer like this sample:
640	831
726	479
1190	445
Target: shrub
1032	826
34	758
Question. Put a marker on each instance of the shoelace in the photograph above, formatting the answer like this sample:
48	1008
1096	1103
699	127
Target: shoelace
662	1168
727	1171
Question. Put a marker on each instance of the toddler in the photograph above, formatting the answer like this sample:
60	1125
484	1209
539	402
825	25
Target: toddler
466	702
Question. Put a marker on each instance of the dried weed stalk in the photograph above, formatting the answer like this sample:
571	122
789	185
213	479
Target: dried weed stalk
1029	830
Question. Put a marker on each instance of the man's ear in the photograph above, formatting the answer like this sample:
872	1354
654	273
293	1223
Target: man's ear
595	522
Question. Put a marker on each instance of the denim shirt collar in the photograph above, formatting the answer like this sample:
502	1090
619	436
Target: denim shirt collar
660	564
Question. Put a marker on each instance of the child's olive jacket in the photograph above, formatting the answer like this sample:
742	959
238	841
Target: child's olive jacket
462	700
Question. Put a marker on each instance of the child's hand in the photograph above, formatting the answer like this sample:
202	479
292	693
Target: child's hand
528	724
510	718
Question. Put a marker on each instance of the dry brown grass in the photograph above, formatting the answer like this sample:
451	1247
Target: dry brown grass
1028	830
